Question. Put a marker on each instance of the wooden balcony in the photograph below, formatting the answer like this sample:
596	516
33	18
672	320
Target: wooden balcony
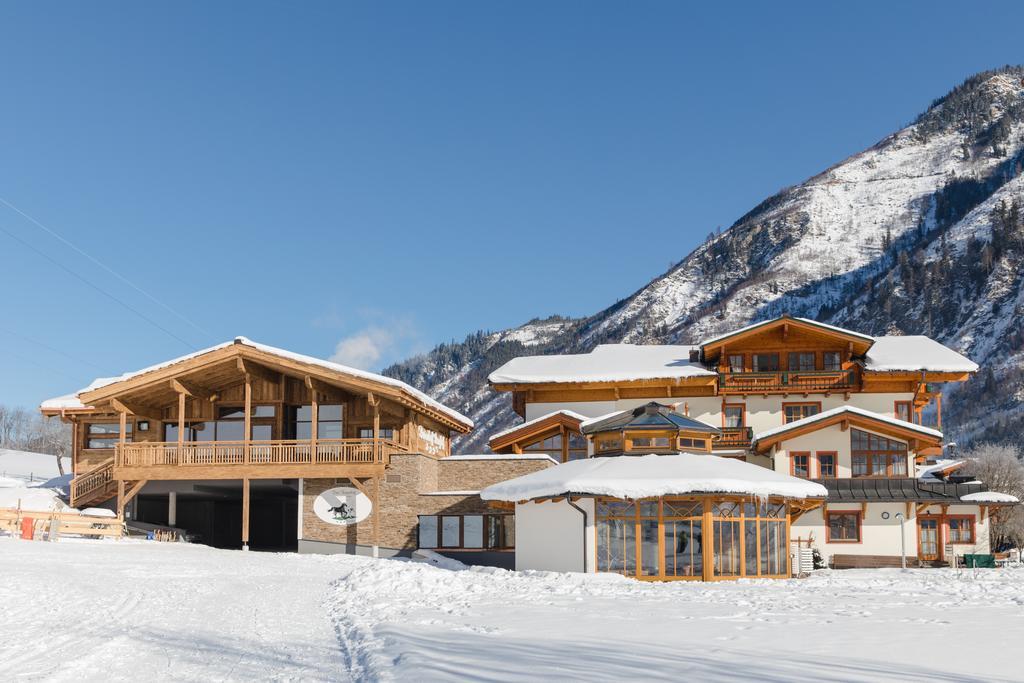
255	459
786	382
734	437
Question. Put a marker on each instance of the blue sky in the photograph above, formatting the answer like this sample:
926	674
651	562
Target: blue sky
386	176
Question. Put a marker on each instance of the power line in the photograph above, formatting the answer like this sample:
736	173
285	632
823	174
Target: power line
102	265
46	346
102	291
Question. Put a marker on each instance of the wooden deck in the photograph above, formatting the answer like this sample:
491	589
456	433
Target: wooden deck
791	382
254	460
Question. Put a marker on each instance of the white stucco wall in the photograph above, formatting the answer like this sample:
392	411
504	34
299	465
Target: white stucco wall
550	537
831	438
762	413
882	536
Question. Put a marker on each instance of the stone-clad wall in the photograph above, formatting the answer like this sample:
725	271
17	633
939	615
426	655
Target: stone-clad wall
407	479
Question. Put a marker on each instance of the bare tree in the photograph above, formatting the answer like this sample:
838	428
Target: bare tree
1000	468
27	431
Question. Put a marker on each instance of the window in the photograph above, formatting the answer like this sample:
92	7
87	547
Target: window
383	433
826	465
694	444
831	360
102	435
876	456
801	361
609	444
734	415
640	442
961	528
903	411
329	423
766	362
552	445
800	465
842	527
736	362
467	532
577	446
791	412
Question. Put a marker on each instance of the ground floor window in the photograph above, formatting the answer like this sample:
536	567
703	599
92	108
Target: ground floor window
675	538
961	528
467	532
842	527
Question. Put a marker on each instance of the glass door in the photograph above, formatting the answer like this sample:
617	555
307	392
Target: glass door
929	545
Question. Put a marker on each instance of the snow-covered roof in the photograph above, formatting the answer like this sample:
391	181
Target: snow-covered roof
69	401
915	353
606	363
652	415
930	472
989	497
808	321
852	410
653	475
499	456
529	423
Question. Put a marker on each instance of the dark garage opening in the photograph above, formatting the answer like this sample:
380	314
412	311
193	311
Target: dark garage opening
211	513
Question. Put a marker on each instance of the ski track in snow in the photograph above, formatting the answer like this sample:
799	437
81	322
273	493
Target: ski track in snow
119	611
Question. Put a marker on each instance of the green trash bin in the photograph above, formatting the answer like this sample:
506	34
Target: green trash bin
979	561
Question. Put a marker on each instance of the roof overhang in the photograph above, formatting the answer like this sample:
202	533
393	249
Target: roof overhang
860	343
244	358
532	430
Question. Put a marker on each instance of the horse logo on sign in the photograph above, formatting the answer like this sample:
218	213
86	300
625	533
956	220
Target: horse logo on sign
343	505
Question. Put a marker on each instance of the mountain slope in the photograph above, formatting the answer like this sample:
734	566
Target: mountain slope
917	234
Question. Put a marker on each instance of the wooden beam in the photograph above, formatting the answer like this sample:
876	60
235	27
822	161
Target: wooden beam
193	390
245	514
328	391
248	419
136	409
251	369
376	514
362	489
181	422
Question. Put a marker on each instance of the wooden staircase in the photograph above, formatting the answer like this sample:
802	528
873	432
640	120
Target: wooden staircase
94	486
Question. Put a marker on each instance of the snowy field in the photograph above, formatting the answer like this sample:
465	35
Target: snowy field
133	610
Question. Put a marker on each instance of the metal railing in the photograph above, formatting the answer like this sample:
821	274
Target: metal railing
279	452
794	381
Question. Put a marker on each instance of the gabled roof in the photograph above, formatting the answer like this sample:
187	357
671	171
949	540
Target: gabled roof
784	319
103	388
858	416
649	416
647	476
606	363
538	425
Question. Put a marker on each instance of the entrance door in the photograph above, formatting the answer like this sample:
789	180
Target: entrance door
929	541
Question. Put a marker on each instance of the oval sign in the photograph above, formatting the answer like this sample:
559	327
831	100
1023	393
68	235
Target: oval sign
343	505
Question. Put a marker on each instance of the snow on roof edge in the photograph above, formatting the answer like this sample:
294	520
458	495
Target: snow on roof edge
569	413
989	497
845	409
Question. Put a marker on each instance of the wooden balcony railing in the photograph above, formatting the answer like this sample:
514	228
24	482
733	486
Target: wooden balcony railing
228	453
734	437
789	381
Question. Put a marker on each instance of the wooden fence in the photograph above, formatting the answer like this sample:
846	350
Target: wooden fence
53	525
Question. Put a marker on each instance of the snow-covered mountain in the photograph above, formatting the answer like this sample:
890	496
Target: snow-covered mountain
920	234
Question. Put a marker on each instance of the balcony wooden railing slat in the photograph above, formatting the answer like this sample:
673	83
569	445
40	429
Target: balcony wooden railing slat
94	480
278	452
787	381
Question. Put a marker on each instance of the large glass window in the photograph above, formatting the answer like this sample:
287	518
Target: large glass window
229	426
329	424
102	435
467	532
801	361
877	456
766	362
684	538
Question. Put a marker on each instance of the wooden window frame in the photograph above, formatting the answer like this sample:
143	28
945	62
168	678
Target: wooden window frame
972	521
891	456
835	464
860	526
462	532
743	361
838	354
778	361
910	410
791	404
793	455
743	414
114	438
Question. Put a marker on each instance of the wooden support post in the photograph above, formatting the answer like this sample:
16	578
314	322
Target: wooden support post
376	516
375	404
122	437
172	508
245	514
181	424
314	424
120	499
707	548
938	413
248	427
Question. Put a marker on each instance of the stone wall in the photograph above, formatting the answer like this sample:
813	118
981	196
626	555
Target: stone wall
403	491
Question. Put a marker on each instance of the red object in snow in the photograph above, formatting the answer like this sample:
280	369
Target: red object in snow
28	528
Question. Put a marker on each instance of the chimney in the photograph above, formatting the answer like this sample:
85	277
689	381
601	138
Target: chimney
694	355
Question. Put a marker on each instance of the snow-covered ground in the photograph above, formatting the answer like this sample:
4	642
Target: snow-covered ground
124	610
